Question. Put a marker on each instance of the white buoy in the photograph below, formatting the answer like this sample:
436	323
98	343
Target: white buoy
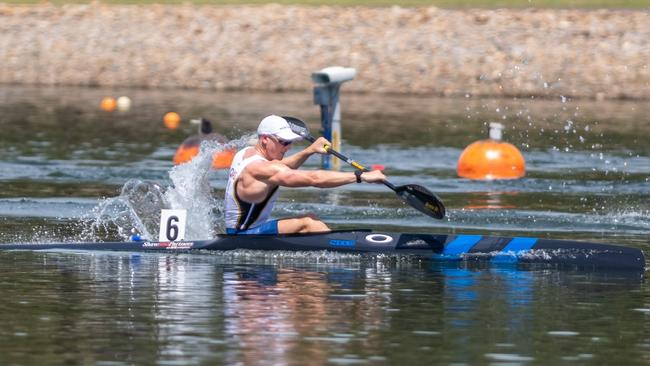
123	103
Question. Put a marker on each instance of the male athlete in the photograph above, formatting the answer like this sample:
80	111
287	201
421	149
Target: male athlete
258	171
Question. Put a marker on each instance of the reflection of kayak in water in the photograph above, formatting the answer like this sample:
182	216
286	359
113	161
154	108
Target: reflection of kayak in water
190	147
435	247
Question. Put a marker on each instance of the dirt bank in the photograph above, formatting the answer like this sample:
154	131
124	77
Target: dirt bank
591	54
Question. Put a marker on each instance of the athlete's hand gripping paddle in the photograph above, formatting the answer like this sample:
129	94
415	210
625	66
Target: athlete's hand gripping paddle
415	195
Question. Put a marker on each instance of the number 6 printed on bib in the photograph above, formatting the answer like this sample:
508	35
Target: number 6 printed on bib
172	225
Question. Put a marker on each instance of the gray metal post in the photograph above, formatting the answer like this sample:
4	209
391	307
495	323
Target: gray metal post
326	94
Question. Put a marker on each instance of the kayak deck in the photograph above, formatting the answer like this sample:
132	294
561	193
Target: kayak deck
435	247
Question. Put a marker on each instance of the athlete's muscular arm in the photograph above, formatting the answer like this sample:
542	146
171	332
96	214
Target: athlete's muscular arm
311	178
296	160
278	174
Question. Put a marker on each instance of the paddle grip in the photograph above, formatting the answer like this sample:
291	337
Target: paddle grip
329	150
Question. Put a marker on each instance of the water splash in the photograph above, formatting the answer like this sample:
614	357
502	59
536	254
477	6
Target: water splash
191	191
137	209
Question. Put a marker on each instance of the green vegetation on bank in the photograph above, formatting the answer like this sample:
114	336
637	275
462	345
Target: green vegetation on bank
586	4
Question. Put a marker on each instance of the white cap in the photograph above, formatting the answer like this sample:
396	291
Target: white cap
277	126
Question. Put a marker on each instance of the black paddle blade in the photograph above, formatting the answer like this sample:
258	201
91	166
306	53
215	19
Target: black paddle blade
422	200
299	127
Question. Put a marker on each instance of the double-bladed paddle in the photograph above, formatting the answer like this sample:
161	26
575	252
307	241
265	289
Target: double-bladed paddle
415	195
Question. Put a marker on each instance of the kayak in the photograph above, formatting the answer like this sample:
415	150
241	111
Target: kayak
434	247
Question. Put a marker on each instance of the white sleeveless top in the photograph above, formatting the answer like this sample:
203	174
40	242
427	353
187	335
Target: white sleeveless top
242	215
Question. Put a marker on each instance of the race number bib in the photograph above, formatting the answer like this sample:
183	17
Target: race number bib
172	225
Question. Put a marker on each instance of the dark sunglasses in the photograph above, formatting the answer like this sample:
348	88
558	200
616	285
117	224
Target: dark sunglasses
282	142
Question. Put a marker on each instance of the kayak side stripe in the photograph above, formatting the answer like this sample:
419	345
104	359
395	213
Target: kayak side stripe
462	244
519	244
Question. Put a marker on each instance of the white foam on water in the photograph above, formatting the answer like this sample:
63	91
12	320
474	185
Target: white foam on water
508	357
579	357
136	209
562	333
346	361
426	332
340	340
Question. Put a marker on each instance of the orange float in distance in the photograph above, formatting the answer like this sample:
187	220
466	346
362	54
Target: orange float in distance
491	159
190	147
172	120
108	104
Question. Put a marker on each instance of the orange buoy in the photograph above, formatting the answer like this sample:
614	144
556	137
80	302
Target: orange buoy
190	147
172	120
188	150
108	104
223	159
491	159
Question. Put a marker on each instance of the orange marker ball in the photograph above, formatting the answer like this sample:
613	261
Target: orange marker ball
108	104
185	153
491	159
172	120
223	160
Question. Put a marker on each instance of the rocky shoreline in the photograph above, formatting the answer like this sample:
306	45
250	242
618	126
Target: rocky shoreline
597	54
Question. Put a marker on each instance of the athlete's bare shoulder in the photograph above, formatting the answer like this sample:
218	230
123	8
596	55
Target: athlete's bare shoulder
249	152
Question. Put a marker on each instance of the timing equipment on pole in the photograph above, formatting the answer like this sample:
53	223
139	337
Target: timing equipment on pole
326	94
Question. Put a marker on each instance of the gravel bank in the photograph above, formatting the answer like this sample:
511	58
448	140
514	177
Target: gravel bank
591	54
